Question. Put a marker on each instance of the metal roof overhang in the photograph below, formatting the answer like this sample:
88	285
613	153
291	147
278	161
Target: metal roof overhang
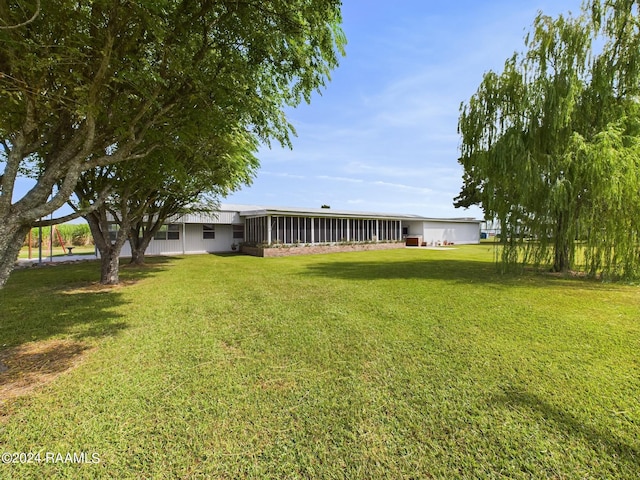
329	213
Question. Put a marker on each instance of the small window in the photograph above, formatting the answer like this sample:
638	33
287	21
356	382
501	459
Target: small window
173	232
161	234
208	231
168	232
113	231
238	232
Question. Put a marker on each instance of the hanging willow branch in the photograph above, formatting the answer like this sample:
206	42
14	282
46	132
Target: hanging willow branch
550	147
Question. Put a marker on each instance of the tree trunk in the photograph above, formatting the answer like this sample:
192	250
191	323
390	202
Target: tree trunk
110	267
109	250
11	239
139	244
137	257
561	257
561	246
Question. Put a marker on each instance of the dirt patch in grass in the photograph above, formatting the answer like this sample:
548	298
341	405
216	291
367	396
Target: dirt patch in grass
276	384
29	366
97	287
231	350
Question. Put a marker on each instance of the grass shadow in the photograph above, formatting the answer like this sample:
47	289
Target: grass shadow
51	315
569	424
65	300
152	263
27	366
451	270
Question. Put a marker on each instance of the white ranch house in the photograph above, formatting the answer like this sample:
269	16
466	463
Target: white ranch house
233	225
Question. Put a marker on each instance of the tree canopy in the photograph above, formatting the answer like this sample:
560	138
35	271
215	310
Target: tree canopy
185	175
89	84
550	145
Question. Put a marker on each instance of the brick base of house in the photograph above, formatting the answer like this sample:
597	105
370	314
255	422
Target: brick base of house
287	250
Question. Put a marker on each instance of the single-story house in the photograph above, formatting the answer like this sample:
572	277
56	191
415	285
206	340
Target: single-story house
233	225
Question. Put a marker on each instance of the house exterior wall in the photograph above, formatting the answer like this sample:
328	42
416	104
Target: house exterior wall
194	242
279	227
159	247
414	228
191	241
224	217
453	232
289	250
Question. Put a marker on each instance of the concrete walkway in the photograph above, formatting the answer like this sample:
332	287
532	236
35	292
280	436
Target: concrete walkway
25	262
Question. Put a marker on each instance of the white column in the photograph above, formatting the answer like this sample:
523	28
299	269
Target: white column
268	229
313	221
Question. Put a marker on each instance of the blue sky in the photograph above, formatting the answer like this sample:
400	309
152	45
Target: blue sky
382	136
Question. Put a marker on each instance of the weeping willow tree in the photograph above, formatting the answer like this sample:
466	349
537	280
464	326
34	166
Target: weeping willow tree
551	145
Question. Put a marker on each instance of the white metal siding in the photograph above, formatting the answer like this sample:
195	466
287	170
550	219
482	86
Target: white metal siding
225	217
460	233
160	247
194	242
190	242
157	247
415	228
126	250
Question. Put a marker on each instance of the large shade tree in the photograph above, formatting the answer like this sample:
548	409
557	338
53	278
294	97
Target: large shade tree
196	185
184	175
550	145
83	83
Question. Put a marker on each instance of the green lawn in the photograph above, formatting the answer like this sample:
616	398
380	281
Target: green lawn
395	364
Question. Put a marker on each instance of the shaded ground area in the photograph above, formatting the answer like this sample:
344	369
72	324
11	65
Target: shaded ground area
456	270
50	318
28	366
58	260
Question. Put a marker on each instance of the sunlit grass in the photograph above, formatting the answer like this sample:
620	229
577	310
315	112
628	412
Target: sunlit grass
397	364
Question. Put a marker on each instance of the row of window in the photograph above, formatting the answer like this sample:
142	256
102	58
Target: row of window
168	232
172	232
257	231
289	229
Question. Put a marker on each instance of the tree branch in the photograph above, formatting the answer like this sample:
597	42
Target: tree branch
26	22
78	212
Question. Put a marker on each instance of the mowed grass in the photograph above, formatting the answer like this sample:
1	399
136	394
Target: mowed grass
395	364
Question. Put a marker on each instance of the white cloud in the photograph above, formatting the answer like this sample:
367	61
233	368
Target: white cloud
283	175
397	171
407	188
339	179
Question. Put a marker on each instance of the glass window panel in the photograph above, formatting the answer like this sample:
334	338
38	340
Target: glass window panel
208	231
